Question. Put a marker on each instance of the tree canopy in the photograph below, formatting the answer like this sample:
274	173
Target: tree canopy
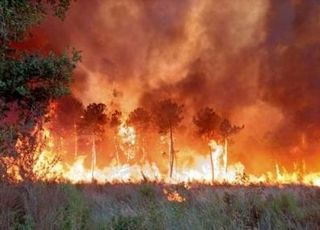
93	120
29	81
167	115
207	123
140	118
226	129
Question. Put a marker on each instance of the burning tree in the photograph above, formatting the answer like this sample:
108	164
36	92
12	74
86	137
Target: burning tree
140	119
68	112
167	116
211	127
28	81
208	123
92	123
226	130
115	121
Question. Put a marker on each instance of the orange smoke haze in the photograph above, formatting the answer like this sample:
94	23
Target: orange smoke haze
255	62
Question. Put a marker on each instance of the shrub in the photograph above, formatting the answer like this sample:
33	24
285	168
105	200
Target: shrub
76	213
147	191
126	223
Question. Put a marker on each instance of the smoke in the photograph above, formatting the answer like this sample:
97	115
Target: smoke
290	75
255	62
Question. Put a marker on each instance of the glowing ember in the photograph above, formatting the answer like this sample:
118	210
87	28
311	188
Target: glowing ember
174	196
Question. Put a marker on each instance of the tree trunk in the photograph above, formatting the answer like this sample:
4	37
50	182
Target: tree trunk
225	155
117	149
212	166
93	156
171	153
143	151
75	141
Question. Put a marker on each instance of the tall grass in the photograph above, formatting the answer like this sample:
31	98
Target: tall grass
145	206
222	207
42	206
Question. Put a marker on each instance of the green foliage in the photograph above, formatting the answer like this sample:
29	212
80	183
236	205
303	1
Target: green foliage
34	80
28	223
147	192
45	206
126	223
285	203
28	81
76	213
17	16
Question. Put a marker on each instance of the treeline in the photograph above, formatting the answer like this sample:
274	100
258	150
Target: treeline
165	116
31	82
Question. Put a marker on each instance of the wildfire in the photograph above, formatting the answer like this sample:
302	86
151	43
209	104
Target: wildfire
49	167
47	164
127	136
174	196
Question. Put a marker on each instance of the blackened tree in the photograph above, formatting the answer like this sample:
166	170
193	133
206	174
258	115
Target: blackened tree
140	119
114	123
67	114
207	123
93	124
226	130
167	115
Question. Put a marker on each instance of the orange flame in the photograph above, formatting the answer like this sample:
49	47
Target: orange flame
200	171
174	196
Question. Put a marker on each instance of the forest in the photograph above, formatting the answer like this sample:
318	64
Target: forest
159	115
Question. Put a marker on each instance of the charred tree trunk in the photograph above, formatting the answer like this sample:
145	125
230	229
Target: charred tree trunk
75	141
143	150
225	155
116	149
212	165
171	153
93	156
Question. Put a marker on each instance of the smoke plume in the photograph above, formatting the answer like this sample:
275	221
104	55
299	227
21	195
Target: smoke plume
255	62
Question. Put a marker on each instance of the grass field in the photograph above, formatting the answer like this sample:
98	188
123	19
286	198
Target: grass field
158	206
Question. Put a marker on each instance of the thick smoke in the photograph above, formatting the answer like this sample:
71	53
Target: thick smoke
290	74
255	62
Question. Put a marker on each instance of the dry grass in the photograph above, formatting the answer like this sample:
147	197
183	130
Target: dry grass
145	206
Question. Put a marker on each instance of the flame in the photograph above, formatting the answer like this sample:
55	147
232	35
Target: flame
174	196
114	173
47	164
127	136
127	133
49	167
